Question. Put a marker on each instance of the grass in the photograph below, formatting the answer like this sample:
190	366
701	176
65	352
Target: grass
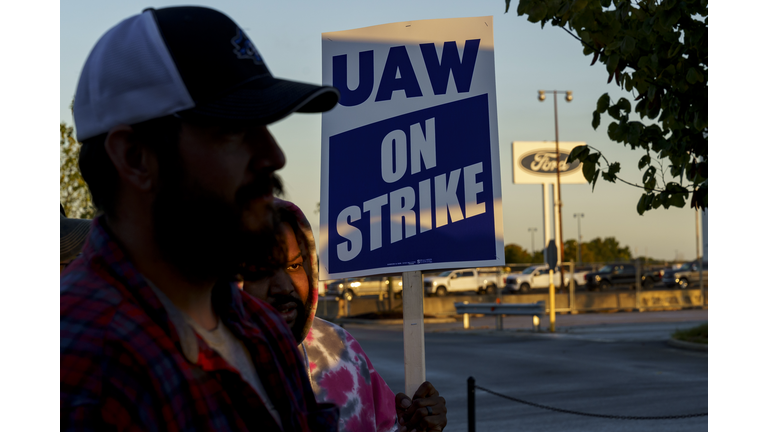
697	334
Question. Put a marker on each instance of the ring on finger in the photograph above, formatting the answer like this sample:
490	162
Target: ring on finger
429	410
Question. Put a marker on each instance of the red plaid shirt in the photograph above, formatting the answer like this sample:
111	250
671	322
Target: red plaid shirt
122	366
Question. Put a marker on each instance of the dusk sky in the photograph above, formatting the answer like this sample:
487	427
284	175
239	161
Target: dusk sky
527	58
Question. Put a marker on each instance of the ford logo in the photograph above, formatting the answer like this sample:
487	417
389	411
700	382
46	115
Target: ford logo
544	162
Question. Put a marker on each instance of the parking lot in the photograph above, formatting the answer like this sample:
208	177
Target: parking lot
615	364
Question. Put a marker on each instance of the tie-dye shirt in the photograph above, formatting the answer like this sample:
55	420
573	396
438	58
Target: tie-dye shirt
342	374
339	370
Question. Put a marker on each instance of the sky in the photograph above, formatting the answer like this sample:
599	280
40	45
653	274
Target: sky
527	58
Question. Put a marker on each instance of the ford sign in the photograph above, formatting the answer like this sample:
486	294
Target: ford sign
544	162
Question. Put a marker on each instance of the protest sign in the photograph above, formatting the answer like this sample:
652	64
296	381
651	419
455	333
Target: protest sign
410	157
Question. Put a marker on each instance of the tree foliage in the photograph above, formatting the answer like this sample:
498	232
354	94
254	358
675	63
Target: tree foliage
597	250
657	50
74	193
514	253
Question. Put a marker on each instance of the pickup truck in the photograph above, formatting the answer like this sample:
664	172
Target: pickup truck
371	285
480	281
685	276
534	277
611	275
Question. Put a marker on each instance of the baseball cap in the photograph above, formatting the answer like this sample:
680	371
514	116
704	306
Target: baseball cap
72	235
192	62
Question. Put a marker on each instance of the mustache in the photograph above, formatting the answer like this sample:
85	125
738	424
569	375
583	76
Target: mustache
265	184
281	299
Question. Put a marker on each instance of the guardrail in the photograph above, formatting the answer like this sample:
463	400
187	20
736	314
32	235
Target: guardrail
536	310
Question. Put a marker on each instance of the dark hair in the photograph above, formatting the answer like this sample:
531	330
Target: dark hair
160	135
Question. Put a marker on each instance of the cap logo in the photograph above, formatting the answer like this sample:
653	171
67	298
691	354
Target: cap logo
244	48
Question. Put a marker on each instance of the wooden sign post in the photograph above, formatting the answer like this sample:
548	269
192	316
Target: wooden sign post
413	331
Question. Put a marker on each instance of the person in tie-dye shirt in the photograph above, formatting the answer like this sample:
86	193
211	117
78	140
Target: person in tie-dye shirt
339	370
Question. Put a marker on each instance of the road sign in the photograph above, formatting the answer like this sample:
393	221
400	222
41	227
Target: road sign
410	160
552	255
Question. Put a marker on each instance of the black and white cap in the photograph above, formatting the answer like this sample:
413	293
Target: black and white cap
194	62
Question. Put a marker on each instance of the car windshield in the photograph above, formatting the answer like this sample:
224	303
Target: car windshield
529	270
445	273
685	267
606	269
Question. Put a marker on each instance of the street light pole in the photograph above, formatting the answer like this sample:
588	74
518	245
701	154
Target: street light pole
532	231
578	217
559	203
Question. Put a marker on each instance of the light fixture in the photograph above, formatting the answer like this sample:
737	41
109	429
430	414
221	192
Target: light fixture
568	96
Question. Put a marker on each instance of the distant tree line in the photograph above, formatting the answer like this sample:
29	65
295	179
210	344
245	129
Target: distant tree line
595	250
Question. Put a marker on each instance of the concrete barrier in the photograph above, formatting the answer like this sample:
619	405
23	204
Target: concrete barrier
584	302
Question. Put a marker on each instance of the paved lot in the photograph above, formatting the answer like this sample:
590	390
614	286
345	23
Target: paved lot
617	364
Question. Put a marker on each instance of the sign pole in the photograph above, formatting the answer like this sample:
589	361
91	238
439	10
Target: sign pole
551	301
413	331
551	256
547	217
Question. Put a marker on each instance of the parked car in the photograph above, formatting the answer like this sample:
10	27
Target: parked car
482	281
611	275
685	276
371	285
580	276
534	277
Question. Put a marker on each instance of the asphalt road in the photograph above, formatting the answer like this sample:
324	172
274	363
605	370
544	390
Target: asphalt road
596	363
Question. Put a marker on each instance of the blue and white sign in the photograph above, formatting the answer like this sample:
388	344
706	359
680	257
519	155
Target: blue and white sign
410	157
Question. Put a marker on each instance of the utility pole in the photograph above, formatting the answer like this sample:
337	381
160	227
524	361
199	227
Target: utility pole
532	230
578	217
559	198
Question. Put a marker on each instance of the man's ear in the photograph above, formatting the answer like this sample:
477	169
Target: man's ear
135	164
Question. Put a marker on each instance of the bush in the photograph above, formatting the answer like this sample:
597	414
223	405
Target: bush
697	334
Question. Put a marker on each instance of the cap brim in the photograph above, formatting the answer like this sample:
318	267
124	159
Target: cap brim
266	101
72	236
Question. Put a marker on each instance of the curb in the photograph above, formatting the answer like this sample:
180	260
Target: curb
390	321
688	345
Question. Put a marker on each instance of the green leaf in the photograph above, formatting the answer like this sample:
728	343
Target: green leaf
641	205
656	201
595	119
613	130
605	3
624	105
645	160
615	112
603	103
692	76
649	174
628	45
674	49
677	200
647	25
507	8
613	63
537	11
577	153
588	169
650	184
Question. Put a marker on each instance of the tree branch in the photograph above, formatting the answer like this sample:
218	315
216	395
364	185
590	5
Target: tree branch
690	187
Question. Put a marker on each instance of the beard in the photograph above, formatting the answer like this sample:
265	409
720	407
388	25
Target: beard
297	329
204	236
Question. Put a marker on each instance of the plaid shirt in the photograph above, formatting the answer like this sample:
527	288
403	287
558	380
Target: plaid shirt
122	366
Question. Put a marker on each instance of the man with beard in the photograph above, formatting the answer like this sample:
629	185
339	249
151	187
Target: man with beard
338	368
172	107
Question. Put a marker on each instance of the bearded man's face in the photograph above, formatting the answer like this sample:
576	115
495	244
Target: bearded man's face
213	207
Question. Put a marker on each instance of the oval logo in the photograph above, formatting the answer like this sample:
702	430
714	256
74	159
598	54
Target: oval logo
544	162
